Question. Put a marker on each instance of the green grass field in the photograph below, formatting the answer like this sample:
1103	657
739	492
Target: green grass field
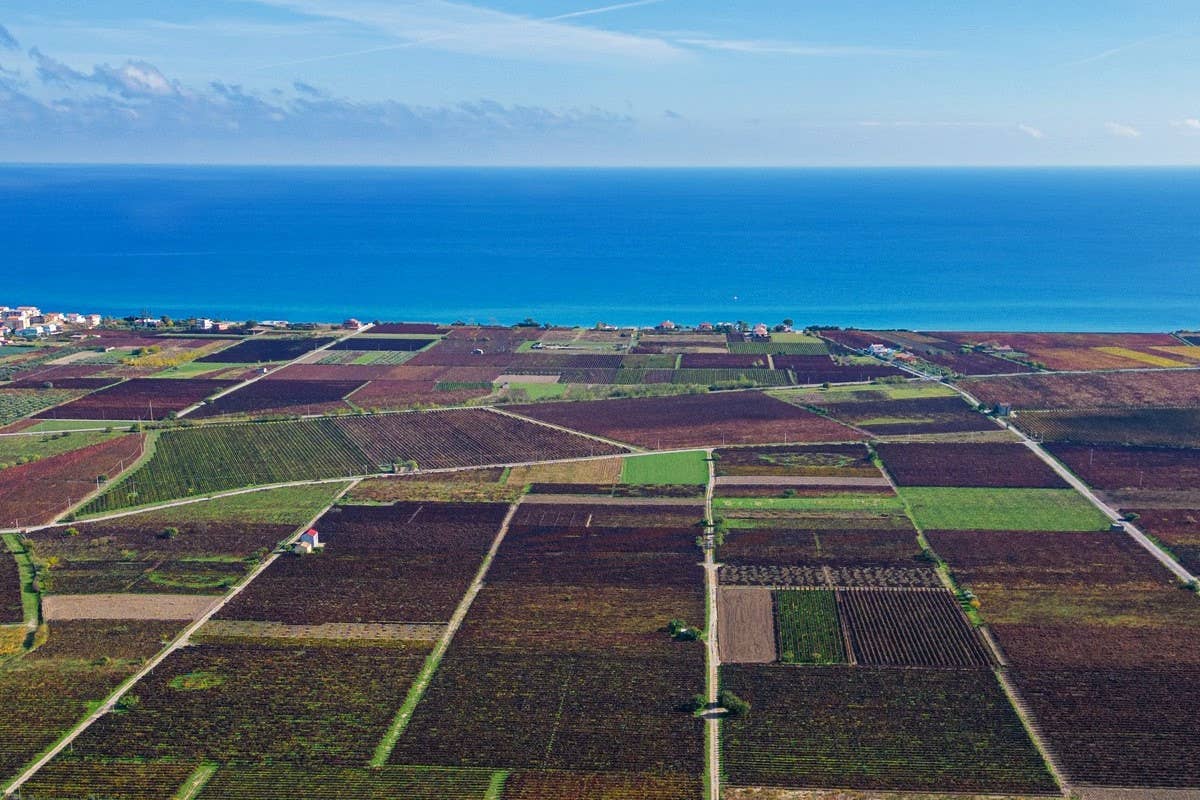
289	505
666	468
50	425
848	394
540	391
16	448
192	369
845	501
938	508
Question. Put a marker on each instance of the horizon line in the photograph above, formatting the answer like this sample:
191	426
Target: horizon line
589	166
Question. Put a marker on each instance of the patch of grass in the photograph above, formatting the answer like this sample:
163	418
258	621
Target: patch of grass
938	508
191	369
196	681
667	468
845	501
19	449
52	425
539	391
867	391
289	505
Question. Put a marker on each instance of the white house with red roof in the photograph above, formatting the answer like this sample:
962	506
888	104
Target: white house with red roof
309	540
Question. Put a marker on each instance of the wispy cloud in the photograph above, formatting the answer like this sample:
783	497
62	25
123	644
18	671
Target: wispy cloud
773	47
7	40
1122	130
1029	130
1191	124
1113	51
474	30
135	102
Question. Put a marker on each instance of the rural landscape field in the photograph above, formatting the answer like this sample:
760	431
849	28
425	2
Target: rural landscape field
402	560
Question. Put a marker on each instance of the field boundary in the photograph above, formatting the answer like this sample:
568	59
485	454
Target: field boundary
181	639
417	691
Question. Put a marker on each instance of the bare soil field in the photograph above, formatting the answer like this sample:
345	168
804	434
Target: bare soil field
124	606
600	470
745	625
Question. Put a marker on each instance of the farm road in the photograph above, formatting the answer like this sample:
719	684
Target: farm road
713	661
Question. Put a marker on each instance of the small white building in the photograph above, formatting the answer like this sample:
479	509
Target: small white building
309	541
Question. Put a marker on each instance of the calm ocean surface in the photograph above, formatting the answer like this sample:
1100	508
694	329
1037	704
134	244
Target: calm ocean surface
1094	249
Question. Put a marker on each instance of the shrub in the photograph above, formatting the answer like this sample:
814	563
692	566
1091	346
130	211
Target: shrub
733	705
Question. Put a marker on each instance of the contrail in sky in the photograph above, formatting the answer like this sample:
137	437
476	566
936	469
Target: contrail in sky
417	42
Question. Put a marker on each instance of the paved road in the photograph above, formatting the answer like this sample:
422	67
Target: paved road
180	641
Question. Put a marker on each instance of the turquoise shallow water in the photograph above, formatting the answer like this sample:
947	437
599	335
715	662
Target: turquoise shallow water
1077	249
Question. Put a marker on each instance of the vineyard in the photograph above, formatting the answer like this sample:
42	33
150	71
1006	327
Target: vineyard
261	349
408	562
691	420
386	343
37	492
1178	529
564	661
48	690
1131	467
195	461
17	403
1150	427
911	629
139	399
875	729
906	416
12	610
1022	558
79	779
1119	727
281	397
807	627
1090	390
837	546
952	464
253	702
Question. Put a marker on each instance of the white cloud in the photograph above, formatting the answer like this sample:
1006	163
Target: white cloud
474	30
1029	130
1122	131
1191	124
770	47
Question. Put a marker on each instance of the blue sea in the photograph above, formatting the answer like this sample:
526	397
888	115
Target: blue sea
1009	249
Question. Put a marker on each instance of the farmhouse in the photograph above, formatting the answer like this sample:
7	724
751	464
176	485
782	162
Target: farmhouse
309	541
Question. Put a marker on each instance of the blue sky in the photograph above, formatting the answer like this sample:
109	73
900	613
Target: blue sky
608	82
